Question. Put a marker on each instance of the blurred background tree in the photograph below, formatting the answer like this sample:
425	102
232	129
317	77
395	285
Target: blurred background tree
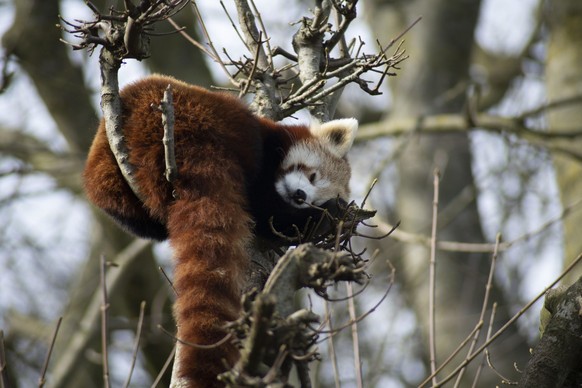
467	59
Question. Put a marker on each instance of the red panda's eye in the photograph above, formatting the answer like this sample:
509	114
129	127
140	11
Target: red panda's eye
312	178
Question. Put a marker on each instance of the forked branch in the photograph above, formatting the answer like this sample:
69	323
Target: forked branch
121	34
273	336
311	78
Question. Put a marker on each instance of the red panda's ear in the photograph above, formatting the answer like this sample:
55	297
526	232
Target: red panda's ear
337	134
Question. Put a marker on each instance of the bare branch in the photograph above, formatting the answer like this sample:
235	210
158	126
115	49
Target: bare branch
454	123
166	366
504	380
213	53
136	345
250	31
500	331
455	246
331	347
42	378
265	101
391	279
349	72
308	44
81	337
121	37
104	334
190	39
355	338
432	277
488	288
263	33
167	108
2	361
346	13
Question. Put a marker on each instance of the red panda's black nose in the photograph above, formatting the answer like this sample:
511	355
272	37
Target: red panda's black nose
300	196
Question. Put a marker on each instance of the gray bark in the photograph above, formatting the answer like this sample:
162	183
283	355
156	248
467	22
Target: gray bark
557	357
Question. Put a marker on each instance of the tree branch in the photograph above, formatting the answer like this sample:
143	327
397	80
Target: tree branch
167	108
121	36
455	123
64	167
264	103
34	40
457	246
273	332
79	339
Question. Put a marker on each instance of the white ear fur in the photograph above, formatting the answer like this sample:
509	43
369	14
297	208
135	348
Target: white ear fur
338	134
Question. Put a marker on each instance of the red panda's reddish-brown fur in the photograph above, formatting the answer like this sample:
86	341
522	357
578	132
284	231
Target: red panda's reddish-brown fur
220	154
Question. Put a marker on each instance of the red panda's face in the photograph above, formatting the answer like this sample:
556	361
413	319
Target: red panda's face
315	170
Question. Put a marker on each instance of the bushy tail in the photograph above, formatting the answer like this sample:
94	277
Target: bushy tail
209	235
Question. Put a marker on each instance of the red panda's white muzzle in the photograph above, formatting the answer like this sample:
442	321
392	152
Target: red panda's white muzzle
296	189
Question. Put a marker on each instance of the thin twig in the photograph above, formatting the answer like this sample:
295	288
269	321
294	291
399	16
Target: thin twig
331	347
355	338
459	348
168	280
432	277
263	32
215	54
489	331
343	46
79	340
167	108
249	82
371	186
399	36
190	39
165	367
391	278
504	380
221	341
3	383
136	345
522	311
271	375
488	288
456	246
104	308
234	25
343	21
251	32
42	378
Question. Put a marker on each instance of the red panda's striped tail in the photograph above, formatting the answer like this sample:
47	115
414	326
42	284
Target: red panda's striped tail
209	236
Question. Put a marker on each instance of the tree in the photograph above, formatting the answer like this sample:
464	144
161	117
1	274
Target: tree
439	101
434	83
563	79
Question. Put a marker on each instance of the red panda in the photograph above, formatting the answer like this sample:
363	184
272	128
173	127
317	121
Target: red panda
239	177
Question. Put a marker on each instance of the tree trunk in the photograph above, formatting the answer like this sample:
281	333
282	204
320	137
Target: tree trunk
563	80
